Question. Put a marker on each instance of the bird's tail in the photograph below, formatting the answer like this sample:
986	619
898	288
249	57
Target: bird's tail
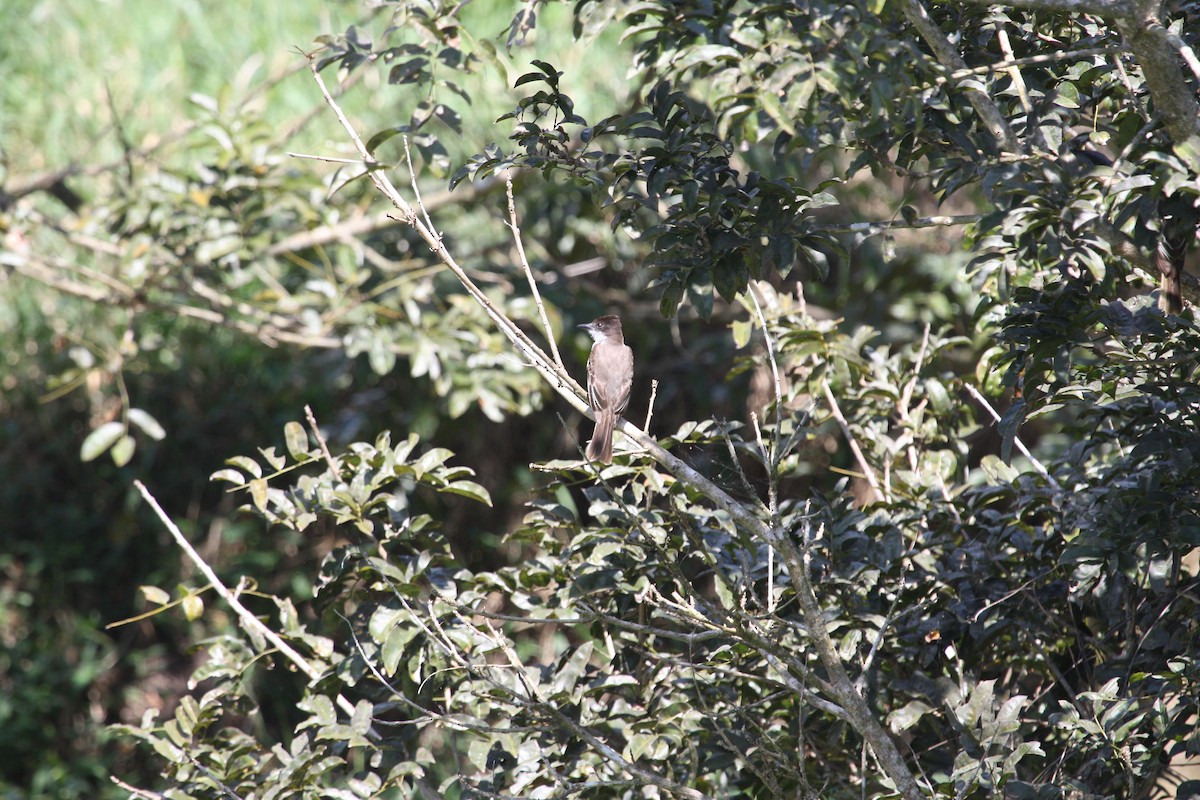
1177	230
600	447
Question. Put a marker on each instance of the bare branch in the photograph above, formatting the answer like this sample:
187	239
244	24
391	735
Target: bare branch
777	383
863	464
873	228
362	225
412	177
1013	71
1037	465
525	346
248	620
949	58
312	423
135	791
332	159
650	404
1099	8
1142	29
1188	54
1027	61
533	287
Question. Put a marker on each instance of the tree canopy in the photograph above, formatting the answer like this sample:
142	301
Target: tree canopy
906	501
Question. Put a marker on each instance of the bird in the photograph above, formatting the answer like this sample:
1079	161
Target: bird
609	379
1177	224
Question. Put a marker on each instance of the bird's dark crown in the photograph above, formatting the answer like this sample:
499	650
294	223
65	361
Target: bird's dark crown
608	322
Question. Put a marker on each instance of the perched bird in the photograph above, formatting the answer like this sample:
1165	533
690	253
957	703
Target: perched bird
609	378
1177	221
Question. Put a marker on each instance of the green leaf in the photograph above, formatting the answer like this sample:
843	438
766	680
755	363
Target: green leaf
770	102
229	475
381	356
470	489
186	714
364	713
296	439
701	295
1009	423
245	464
387	133
1189	151
258	493
148	424
193	607
908	715
672	298
273	459
155	595
394	645
431	460
123	450
997	471
167	750
573	670
528	77
742	332
99	440
1067	96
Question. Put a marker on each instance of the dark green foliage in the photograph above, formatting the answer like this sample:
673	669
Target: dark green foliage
853	555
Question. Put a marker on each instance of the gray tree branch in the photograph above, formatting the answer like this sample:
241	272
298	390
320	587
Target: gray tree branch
948	57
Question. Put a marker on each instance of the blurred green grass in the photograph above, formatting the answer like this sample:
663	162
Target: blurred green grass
75	69
83	78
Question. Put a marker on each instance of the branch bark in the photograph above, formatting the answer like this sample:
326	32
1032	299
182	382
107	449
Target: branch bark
948	57
248	619
1142	29
1140	24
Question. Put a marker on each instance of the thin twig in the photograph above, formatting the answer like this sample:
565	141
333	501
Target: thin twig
225	789
412	175
133	790
426	714
743	479
772	496
777	382
906	396
1042	58
249	620
335	159
1013	71
836	410
888	621
533	287
872	228
771	456
312	423
524	345
1188	54
650	405
361	225
1037	465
